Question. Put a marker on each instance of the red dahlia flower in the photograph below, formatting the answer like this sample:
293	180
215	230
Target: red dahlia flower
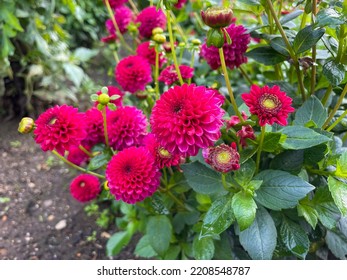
85	187
148	52
169	74
233	53
123	16
94	127
271	105
126	127
187	118
60	128
132	175
133	73
150	18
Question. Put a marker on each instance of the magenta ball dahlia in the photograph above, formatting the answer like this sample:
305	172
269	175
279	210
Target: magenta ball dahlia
132	175
148	52
85	187
59	128
133	73
126	127
187	118
150	18
77	156
94	127
116	3
169	75
123	16
233	53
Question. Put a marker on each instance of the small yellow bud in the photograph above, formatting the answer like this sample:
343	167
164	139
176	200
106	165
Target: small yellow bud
157	30
103	98
159	38
26	125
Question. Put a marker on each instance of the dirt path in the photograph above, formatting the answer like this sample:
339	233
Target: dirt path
38	217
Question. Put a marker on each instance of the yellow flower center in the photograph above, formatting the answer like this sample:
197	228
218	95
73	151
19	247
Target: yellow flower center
52	121
164	153
269	103
82	184
224	157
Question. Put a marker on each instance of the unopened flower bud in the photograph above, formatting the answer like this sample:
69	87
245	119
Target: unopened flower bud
106	187
103	98
157	30
159	38
26	125
196	42
217	17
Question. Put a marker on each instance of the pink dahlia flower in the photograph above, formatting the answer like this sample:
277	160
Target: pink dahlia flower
162	156
234	120
180	4
123	16
271	105
246	132
77	156
94	127
133	73
150	18
234	53
169	75
132	175
148	52
126	127
60	128
112	90
85	187
187	118
116	3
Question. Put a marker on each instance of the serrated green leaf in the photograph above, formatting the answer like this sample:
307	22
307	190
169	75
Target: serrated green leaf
280	189
117	242
299	137
341	166
278	45
338	191
271	141
334	72
295	238
159	230
84	54
308	212
245	173
259	240
201	178
290	160
203	249
74	73
336	239
218	218
329	17
315	154
266	55
246	154
244	208
144	249
100	160
307	38
311	110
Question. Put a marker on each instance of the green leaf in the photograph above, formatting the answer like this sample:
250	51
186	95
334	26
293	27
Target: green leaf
266	55
311	110
308	212
299	137
307	38
245	173
11	20
341	166
117	242
74	73
244	209
291	161
218	218
159	230
315	154
278	45
295	238
202	179
281	190
246	154
223	248
84	54
338	191
334	72
172	253
100	160
329	17
144	249
271	141
289	17
259	240
203	249
336	240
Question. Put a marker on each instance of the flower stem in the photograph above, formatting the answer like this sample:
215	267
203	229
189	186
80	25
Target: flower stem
314	49
337	106
337	121
327	94
179	28
174	198
260	147
192	61
244	74
119	34
76	166
83	149
133	6
156	73
105	126
224	182
227	82
172	44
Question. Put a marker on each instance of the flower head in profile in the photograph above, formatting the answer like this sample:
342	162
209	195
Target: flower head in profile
163	157
59	128
133	73
112	90
233	53
234	120
148	52
169	75
126	127
217	17
150	18
85	187
94	127
271	105
246	132
222	158
133	175
187	118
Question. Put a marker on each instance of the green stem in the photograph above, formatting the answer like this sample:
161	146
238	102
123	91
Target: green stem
244	74
344	138
314	50
224	182
192	61
300	80
134	7
327	94
76	166
337	106
105	126
227	82
119	34
178	27
337	121
83	149
260	147
174	198
156	73
116	58
172	44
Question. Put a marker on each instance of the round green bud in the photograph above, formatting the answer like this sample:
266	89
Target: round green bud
159	38
104	99
196	42
157	30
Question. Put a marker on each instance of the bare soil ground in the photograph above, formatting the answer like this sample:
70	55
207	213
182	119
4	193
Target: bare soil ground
38	217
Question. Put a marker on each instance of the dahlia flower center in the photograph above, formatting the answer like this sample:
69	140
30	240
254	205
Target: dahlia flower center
52	121
127	168
223	157
82	184
164	153
177	108
270	102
